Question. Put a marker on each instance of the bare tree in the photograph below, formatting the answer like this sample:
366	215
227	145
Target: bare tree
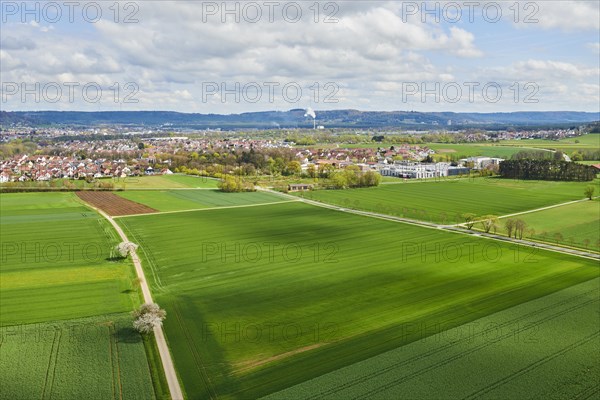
469	220
586	243
558	237
510	226
489	222
520	227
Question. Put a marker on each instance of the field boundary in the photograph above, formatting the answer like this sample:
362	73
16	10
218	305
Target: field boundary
205	209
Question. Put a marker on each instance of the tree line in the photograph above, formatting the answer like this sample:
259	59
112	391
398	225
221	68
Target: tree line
546	170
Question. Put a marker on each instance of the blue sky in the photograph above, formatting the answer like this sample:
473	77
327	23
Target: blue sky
182	56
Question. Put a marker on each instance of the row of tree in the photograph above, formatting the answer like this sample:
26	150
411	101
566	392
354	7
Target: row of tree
548	170
353	177
231	184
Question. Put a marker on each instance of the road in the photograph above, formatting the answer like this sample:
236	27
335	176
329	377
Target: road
163	349
452	228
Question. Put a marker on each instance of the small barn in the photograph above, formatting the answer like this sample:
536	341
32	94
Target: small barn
299	187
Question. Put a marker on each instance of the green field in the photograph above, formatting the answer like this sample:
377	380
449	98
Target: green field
591	141
165	182
64	302
596	162
516	353
575	222
444	201
55	261
263	298
90	358
177	200
175	181
457	151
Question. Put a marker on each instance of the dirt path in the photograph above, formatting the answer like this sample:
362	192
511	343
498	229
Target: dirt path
163	349
207	209
530	211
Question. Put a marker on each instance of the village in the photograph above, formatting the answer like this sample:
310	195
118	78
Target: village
129	159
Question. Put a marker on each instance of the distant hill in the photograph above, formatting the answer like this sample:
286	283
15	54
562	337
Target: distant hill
296	119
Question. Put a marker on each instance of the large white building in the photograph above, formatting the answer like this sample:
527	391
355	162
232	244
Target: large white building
481	162
414	170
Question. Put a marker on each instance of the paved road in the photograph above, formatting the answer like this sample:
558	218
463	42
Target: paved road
163	349
452	228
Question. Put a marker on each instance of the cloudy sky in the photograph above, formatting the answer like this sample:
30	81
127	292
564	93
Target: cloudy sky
215	57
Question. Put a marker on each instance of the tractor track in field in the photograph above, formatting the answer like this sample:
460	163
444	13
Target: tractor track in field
114	358
461	341
193	349
52	362
532	366
471	350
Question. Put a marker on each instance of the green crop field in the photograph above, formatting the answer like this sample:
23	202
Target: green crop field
457	151
90	358
577	224
263	298
177	200
516	353
55	261
64	302
444	201
175	181
595	162
165	182
591	141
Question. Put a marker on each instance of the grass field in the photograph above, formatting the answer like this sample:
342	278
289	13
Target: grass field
263	298
575	222
444	201
514	353
91	358
177	200
55	261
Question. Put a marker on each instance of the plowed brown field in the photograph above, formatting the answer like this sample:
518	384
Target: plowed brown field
114	205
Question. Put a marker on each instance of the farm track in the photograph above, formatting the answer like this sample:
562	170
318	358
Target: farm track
207	209
114	205
163	348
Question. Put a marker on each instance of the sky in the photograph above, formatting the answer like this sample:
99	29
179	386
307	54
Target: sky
233	57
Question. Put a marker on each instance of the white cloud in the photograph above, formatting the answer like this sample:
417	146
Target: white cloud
368	53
